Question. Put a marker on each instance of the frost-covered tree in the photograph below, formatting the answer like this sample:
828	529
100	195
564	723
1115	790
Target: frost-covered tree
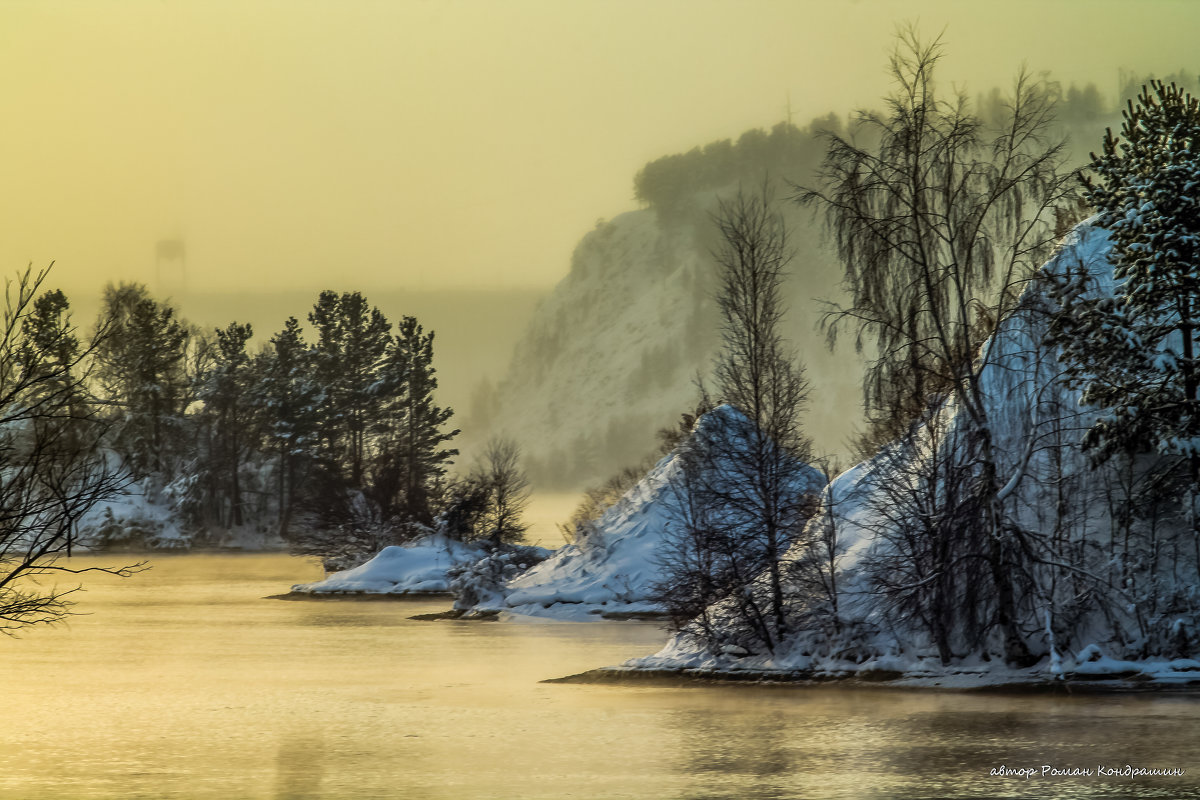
1136	352
1140	349
939	219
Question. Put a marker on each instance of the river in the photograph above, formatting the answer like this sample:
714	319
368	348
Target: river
184	682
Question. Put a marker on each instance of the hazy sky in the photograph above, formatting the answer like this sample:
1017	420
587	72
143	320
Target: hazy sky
433	144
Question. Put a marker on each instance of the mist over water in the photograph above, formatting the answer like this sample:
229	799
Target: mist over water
240	158
184	682
462	145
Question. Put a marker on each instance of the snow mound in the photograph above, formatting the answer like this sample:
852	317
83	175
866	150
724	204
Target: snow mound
612	569
612	566
1020	381
416	568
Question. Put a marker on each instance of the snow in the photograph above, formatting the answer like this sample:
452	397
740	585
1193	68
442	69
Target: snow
141	515
416	568
572	390
610	357
613	568
146	515
1018	380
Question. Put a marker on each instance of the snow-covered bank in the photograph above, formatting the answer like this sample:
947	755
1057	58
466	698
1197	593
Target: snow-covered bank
614	568
856	630
431	565
1090	666
146	516
611	567
1167	678
418	568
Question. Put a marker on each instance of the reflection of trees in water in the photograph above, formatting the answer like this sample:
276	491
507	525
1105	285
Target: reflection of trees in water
883	745
761	749
949	752
299	766
776	744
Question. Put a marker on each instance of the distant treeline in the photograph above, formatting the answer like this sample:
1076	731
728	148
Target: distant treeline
673	184
335	442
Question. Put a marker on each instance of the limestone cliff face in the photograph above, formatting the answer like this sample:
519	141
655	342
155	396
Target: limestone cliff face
612	354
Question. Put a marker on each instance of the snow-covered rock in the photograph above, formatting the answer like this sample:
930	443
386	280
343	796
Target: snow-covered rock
416	568
611	355
613	567
1021	385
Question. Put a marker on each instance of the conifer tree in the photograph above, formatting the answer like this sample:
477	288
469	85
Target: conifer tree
412	459
352	338
49	348
142	373
290	398
231	417
1135	353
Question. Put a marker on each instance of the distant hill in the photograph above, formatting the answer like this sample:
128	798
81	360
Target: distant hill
611	355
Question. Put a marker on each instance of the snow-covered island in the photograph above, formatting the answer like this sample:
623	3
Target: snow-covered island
432	565
414	569
1113	643
853	629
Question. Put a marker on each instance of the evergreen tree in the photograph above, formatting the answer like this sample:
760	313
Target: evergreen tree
141	362
49	350
290	398
1135	353
412	459
352	339
232	420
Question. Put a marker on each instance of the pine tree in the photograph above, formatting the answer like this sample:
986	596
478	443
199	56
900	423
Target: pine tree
49	349
290	398
412	459
232	419
1135	352
141	362
352	339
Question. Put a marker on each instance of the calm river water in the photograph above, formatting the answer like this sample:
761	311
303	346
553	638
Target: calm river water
183	682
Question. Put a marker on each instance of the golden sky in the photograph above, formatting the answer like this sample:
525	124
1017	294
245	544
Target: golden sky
405	144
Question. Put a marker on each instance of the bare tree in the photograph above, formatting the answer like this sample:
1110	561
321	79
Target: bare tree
746	490
507	492
939	226
53	467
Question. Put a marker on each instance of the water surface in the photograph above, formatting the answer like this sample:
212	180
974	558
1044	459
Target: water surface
184	683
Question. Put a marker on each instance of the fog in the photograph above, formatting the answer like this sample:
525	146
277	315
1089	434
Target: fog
420	147
432	145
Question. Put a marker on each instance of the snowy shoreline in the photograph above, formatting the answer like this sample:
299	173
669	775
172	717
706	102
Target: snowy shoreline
684	677
360	596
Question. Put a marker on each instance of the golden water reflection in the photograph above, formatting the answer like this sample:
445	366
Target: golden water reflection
185	683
